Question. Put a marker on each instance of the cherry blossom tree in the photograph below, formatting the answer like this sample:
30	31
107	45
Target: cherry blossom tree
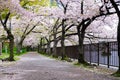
115	4
25	31
82	16
8	8
68	10
9	35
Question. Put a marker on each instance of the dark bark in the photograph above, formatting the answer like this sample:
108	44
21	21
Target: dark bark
81	35
55	44
55	48
118	40
11	47
48	50
55	28
118	29
40	46
63	30
9	36
63	39
81	32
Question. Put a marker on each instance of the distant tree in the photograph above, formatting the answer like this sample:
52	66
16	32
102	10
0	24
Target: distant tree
27	30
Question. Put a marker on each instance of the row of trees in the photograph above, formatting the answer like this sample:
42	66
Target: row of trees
56	23
77	14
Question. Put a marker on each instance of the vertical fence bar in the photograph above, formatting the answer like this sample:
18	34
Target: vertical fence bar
90	53
84	52
108	52
98	55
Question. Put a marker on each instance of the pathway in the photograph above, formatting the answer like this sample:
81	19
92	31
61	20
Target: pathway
33	66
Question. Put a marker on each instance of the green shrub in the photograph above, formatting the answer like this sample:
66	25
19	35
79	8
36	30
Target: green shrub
6	55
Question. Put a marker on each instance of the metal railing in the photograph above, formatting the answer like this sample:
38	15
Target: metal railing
105	53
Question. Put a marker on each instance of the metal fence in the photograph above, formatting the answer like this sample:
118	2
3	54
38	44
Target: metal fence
70	51
102	53
105	53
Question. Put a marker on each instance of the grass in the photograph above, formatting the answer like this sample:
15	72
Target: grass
82	65
6	55
57	57
50	56
53	57
116	74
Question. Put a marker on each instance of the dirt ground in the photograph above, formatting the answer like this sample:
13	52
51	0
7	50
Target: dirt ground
33	66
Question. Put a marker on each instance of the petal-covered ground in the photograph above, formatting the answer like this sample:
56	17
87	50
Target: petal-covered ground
33	66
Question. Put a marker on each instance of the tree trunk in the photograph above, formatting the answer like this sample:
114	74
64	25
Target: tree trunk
118	40
40	45
11	47
114	4
9	36
38	49
62	40
55	48
80	48
48	51
63	49
55	43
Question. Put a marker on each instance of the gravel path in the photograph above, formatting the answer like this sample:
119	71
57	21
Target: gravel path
33	66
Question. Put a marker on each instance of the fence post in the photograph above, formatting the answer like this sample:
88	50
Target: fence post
90	53
84	51
108	52
98	55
